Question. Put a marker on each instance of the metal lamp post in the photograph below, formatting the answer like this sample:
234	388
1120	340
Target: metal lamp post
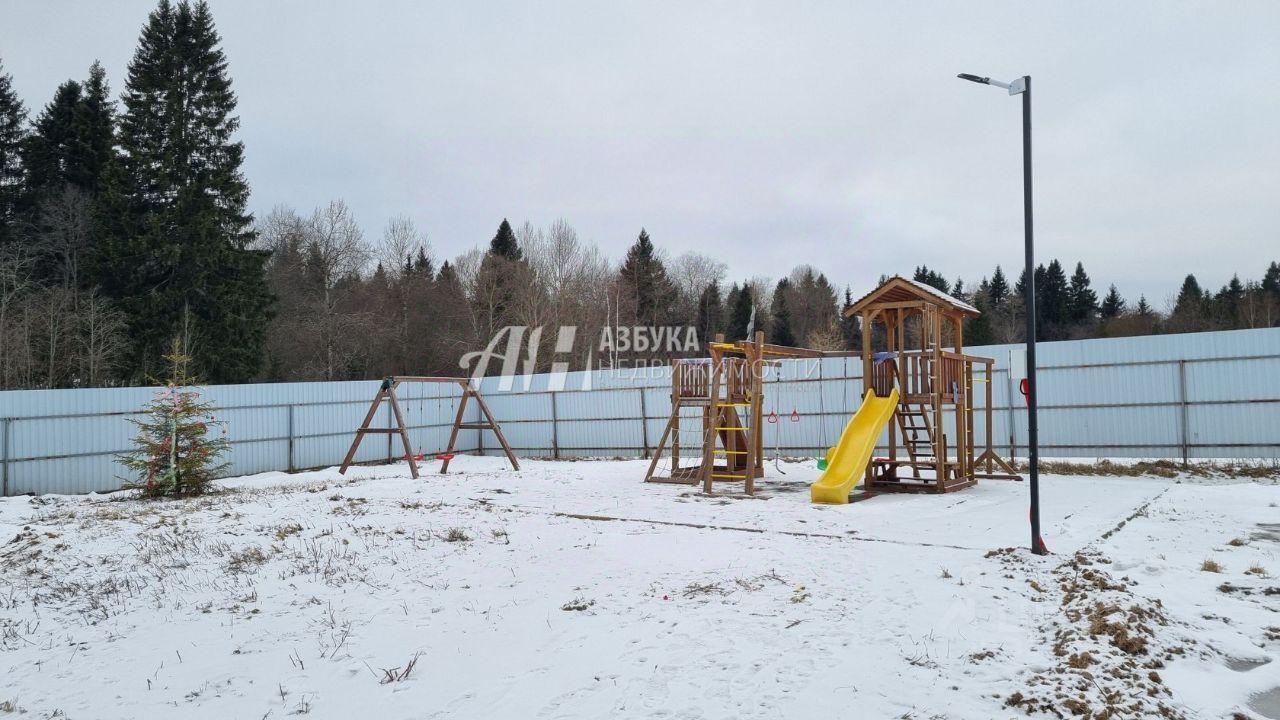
1022	86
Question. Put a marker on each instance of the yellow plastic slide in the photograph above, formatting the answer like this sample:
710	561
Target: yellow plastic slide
847	461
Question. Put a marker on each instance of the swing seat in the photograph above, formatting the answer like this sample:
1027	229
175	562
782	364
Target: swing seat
445	456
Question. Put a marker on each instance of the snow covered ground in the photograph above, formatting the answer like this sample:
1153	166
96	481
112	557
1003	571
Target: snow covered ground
572	590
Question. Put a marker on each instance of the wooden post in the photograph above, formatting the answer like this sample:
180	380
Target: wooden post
457	425
677	372
653	463
387	392
868	483
755	435
714	411
939	436
990	375
364	426
404	432
495	427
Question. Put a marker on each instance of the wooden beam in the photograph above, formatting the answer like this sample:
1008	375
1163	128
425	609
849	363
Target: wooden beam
662	443
497	429
939	437
453	433
404	433
428	379
368	418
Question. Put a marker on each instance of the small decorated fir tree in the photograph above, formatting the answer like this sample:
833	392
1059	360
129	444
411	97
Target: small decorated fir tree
174	453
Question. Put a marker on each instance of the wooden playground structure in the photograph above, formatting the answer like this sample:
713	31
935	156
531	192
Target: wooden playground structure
728	389
934	386
387	393
930	435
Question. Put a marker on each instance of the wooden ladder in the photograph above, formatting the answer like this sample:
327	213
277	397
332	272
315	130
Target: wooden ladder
916	436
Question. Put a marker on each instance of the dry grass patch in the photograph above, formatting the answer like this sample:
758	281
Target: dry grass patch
1211	565
1257	569
1159	468
287	530
456	534
578	604
245	560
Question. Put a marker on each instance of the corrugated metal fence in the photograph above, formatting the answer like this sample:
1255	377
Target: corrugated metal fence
1204	395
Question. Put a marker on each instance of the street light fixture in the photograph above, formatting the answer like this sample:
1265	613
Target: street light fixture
1022	86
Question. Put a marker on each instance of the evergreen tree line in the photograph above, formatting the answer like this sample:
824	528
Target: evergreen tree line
124	225
1069	308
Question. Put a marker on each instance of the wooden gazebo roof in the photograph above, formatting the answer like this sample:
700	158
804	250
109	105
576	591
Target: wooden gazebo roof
898	289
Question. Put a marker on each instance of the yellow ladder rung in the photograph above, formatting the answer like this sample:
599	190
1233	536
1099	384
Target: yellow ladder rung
731	452
731	428
722	475
734	404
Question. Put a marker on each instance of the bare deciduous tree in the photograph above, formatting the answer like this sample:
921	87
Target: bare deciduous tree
692	272
100	338
63	232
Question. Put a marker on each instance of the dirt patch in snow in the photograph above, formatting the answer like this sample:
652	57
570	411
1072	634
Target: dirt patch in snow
1109	645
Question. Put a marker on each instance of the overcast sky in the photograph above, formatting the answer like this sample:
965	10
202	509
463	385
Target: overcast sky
834	134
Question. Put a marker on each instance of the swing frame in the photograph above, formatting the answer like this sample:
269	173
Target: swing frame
387	393
730	382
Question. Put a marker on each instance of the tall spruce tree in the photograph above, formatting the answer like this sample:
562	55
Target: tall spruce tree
1190	310
502	275
651	292
95	131
780	316
730	302
178	258
1051	296
66	157
13	118
999	290
51	149
1271	279
504	243
740	315
849	322
1082	301
1227	303
978	330
710	312
1112	305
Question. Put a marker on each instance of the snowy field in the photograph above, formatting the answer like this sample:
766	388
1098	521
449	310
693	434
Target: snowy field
572	590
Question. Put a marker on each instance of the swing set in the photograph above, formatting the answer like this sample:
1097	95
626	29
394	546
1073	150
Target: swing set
728	389
387	393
